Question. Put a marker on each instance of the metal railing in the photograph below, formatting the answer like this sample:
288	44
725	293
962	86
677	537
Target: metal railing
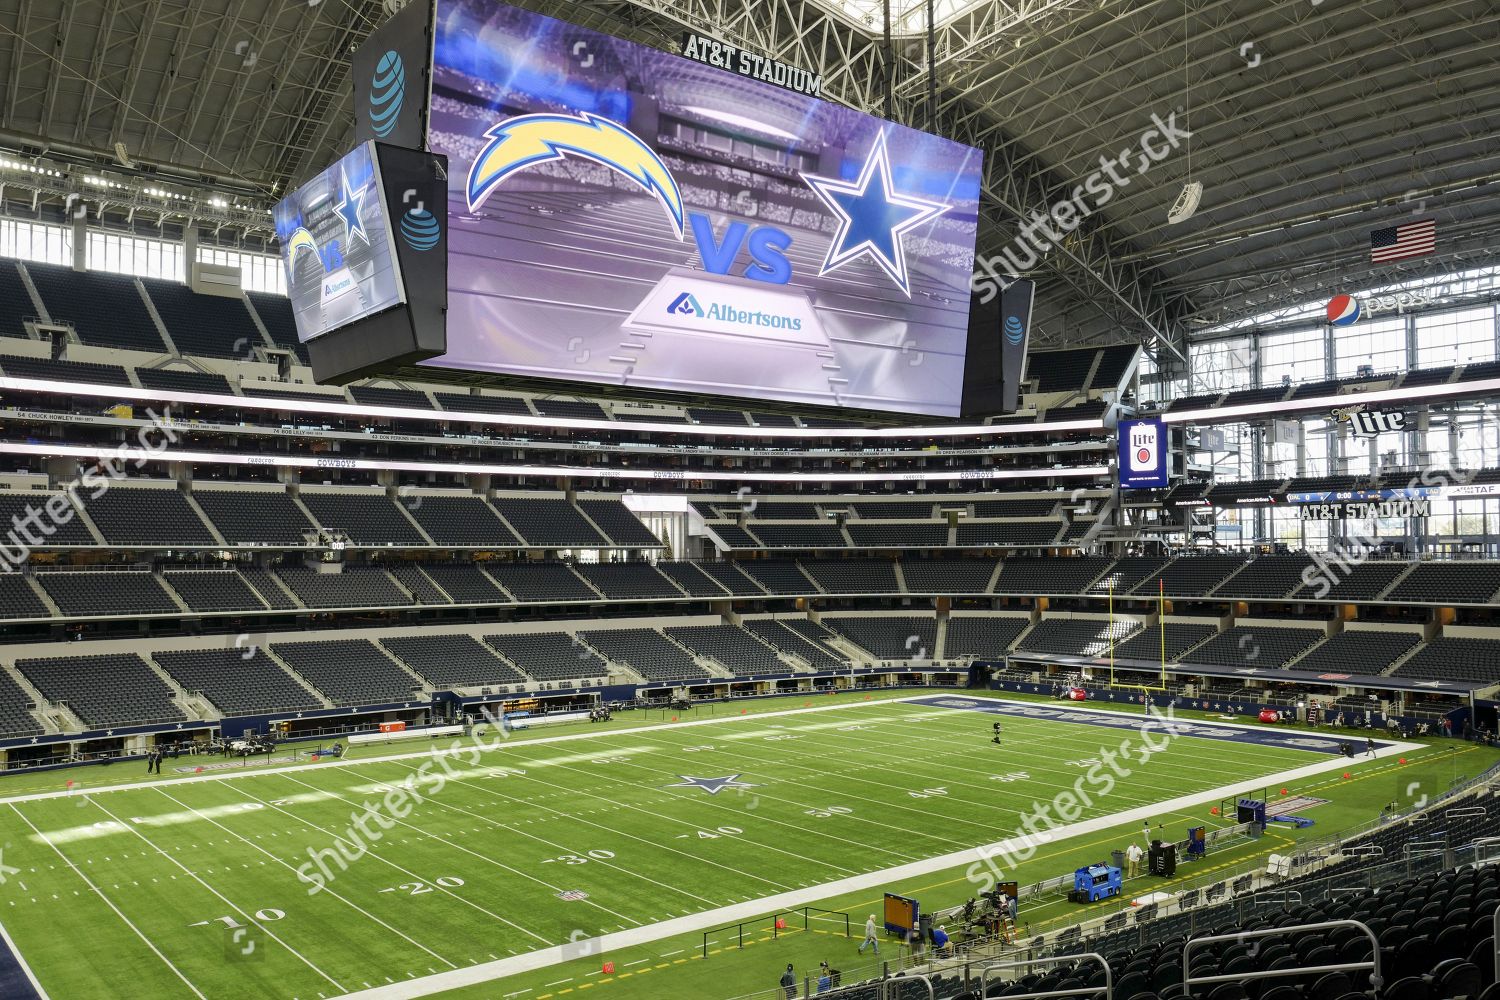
1419	848
1217	910
1107	990
892	989
1189	980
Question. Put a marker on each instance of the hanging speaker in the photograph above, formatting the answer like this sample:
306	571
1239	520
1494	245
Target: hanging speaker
1186	204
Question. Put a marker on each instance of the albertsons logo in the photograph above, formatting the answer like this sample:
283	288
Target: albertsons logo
685	305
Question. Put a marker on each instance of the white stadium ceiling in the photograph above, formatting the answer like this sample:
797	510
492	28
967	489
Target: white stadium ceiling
1313	122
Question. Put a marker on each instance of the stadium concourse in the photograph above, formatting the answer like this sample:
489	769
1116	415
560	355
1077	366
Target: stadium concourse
748	501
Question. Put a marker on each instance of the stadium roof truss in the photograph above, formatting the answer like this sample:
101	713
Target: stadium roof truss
1311	123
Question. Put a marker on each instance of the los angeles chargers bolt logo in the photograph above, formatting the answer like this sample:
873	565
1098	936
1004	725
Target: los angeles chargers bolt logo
527	140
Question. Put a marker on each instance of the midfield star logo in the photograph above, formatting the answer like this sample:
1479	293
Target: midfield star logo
712	786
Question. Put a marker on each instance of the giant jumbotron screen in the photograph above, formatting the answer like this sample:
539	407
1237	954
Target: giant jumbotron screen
623	216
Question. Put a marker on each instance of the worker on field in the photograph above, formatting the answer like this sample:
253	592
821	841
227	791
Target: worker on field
870	937
1133	860
789	982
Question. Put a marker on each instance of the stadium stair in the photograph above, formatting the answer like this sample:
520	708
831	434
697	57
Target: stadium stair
260	326
435	585
1088	379
1395	582
38	306
1415	649
40	713
495	580
841	645
301	681
171	593
620	672
161	326
813	587
82	517
939	646
396	500
417	679
267	579
41	592
585	582
203	516
494	509
307	513
712	665
195	707
1292	663
399	585
571	498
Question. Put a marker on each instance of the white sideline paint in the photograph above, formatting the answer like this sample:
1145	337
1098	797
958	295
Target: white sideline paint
530	962
16	953
531	722
397	735
95	831
349	761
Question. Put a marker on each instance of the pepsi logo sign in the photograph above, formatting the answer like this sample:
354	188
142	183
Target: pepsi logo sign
1343	310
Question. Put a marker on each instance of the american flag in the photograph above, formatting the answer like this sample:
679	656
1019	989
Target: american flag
1412	239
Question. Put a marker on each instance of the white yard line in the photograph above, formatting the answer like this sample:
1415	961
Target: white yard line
518	873
220	896
304	821
291	868
858	883
107	902
608	829
764	793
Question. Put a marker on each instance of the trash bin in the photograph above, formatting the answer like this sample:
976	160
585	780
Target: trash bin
1117	858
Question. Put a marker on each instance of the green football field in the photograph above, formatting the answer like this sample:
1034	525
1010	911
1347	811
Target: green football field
516	865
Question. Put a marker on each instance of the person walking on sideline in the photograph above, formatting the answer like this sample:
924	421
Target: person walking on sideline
789	982
1369	747
870	938
1133	860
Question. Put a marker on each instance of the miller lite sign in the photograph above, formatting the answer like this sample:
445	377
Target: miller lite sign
1370	423
1143	454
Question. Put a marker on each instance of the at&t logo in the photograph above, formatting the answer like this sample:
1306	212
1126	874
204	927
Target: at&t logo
387	92
1014	331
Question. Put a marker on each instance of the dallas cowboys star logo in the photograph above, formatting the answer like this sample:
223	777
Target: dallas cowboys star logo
349	206
712	786
872	217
